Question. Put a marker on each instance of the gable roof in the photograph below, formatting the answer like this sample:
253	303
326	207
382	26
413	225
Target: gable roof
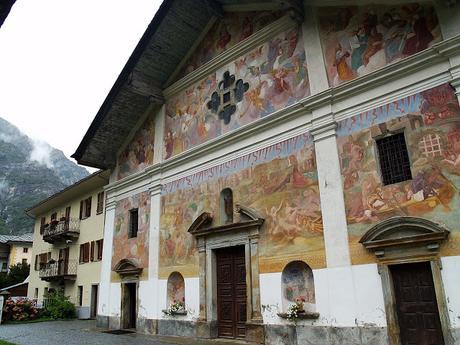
172	32
16	238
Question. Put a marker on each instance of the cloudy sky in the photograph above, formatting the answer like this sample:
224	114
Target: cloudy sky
59	59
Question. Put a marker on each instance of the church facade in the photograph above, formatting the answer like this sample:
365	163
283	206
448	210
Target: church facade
285	172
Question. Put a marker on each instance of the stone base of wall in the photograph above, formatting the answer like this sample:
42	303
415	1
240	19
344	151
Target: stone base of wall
318	335
102	321
83	312
259	333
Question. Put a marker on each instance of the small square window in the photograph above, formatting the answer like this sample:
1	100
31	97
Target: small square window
133	222
394	159
25	250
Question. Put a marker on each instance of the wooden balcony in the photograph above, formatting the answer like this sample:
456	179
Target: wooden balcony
61	231
59	270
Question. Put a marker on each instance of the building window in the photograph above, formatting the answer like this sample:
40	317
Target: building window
99	244
25	250
85	208
24	262
226	206
36	293
84	252
4	266
394	159
100	203
42	225
80	295
133	222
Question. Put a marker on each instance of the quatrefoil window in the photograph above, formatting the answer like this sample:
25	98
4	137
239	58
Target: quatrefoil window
229	93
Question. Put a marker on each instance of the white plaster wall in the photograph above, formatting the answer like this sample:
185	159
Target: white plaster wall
115	299
345	297
192	297
162	296
148	297
451	279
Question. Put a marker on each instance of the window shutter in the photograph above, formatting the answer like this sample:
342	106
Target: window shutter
81	209
99	249
81	253
92	250
89	206
100	202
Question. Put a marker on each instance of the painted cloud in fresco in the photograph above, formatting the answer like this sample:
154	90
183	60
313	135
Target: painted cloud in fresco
139	152
277	76
280	182
432	129
359	40
136	248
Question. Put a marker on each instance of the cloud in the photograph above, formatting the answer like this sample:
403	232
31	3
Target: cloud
41	153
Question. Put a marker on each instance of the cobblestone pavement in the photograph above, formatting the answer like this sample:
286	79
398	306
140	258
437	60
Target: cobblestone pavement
75	332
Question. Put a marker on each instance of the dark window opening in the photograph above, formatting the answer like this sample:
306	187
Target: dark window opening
394	159
100	203
133	222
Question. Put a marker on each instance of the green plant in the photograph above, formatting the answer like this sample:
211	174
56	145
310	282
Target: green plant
175	307
17	274
58	306
295	309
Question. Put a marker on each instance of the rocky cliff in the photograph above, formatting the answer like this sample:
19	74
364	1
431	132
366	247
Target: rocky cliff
29	172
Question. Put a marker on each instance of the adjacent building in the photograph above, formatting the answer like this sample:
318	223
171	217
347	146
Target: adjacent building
15	249
68	244
270	155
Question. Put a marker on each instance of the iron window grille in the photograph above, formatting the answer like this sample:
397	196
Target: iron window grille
394	159
133	222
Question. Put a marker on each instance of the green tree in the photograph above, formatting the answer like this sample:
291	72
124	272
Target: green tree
17	274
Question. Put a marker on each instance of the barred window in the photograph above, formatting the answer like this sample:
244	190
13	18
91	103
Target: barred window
394	159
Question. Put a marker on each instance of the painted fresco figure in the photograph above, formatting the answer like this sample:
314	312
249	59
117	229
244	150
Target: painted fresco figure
343	70
359	43
420	36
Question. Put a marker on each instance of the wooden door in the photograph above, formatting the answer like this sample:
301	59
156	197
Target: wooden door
94	299
231	292
416	304
129	307
63	261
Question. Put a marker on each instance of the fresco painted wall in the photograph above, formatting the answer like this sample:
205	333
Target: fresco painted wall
280	182
136	248
431	120
139	152
297	284
276	73
233	28
176	288
359	40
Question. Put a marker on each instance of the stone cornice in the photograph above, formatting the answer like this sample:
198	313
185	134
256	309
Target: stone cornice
263	35
438	53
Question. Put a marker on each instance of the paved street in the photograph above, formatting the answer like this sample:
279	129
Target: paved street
68	333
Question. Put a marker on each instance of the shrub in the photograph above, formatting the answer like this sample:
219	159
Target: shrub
58	306
19	310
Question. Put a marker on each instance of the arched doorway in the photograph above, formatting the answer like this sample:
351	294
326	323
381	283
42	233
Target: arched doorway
407	249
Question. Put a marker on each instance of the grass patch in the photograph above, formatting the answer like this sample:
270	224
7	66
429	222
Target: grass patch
4	342
40	319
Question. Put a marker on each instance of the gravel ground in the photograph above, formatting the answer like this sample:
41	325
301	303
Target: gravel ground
68	333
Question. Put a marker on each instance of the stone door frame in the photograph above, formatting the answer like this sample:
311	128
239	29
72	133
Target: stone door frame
244	232
405	240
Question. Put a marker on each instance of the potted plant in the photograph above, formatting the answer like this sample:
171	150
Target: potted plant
176	308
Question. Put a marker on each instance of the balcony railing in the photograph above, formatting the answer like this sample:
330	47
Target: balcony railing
58	270
62	230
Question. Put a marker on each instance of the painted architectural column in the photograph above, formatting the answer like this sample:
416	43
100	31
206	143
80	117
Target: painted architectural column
202	277
331	194
154	247
106	265
256	314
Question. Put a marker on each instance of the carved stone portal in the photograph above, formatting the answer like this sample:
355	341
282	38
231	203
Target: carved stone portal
243	232
404	239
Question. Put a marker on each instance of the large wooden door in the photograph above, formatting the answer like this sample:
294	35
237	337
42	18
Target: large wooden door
231	292
63	264
416	304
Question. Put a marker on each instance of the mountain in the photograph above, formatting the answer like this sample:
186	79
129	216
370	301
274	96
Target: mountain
29	172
